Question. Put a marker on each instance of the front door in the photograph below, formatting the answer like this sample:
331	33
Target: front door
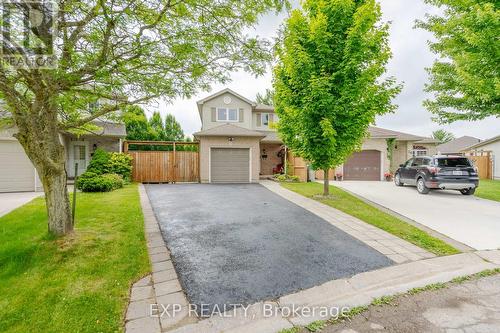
79	153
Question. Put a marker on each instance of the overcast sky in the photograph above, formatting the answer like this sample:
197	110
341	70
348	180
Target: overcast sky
410	57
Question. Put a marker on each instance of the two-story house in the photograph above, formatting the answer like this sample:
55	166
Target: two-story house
238	144
237	141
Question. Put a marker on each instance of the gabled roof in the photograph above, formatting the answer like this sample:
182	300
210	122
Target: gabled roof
227	90
482	143
456	145
229	130
382	133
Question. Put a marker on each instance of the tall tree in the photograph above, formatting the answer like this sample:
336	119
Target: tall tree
328	85
173	130
266	98
136	123
465	79
157	127
123	52
443	136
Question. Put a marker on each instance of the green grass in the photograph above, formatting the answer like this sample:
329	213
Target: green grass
351	205
79	283
489	189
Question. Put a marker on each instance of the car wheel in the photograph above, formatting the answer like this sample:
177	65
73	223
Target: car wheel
468	191
397	180
421	188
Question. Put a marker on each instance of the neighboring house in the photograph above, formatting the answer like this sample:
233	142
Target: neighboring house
17	173
490	147
238	143
455	146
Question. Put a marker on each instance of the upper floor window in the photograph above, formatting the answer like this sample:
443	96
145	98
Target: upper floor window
225	114
265	119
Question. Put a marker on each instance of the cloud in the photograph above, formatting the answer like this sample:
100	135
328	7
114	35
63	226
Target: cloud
411	56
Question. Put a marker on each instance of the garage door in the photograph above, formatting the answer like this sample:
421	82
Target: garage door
230	165
16	171
363	165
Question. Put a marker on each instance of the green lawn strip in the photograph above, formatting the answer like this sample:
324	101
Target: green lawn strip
353	206
489	189
392	300
79	283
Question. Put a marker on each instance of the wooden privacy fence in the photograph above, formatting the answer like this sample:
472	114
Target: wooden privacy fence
483	162
164	161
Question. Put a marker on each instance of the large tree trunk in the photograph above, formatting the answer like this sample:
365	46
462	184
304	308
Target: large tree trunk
326	183
58	205
41	142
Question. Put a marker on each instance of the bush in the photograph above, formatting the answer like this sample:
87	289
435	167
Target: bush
120	164
92	182
287	178
99	162
117	180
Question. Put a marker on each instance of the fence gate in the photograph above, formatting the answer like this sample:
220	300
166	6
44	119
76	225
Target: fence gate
164	161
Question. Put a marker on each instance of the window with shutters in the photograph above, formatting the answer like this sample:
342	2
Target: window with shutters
227	115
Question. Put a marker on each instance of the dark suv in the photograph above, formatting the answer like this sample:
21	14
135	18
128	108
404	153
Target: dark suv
438	172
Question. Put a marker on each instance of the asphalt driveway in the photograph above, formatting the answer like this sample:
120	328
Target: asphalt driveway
467	219
239	244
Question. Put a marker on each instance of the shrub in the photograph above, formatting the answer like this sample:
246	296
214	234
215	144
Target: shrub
120	164
99	162
287	178
117	180
92	182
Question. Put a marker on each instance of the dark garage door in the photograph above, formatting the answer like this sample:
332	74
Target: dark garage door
363	165
230	165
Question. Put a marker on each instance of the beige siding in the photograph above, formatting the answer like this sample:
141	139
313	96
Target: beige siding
206	143
255	123
494	149
217	102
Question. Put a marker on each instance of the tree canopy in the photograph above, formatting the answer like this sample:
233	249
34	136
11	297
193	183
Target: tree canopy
328	81
443	136
266	98
155	129
465	79
112	54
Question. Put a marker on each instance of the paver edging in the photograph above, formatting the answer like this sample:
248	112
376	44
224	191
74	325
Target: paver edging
395	248
161	285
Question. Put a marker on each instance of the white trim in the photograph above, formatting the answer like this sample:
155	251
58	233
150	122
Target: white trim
72	155
120	143
209	164
250	163
227	120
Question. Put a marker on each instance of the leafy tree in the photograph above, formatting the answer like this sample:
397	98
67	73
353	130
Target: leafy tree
328	79
443	136
136	123
157	127
121	52
465	79
173	130
266	98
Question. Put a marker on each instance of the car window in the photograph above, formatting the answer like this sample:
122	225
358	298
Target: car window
408	163
426	161
453	162
417	162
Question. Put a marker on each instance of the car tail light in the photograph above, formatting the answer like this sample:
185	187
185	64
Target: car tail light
434	170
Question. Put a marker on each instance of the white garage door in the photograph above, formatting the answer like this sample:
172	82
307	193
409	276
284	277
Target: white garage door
16	171
230	165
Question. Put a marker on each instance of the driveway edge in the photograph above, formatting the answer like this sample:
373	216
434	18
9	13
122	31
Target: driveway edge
358	290
157	293
397	249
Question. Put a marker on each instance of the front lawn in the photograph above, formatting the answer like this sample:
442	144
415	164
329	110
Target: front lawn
353	206
79	283
489	189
